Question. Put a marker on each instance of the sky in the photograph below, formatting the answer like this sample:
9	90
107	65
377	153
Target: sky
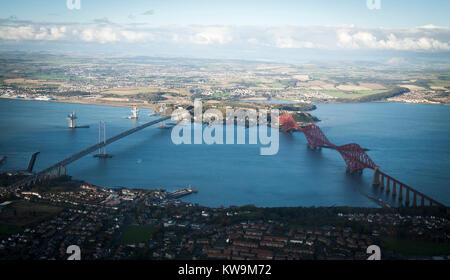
231	28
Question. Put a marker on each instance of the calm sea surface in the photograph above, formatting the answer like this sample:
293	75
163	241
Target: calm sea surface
409	142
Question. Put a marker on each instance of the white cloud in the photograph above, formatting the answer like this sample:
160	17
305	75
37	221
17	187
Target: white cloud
391	41
211	35
424	38
30	32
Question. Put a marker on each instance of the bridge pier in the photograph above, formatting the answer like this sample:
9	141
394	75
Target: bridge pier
58	171
382	182
64	170
394	190
407	196
376	177
415	199
400	192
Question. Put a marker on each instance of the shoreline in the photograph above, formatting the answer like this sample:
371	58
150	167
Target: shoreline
142	105
83	102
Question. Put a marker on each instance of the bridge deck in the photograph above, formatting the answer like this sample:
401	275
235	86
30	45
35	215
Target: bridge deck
85	152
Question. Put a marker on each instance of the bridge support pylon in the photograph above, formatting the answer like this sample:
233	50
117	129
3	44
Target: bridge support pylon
376	177
394	190
407	196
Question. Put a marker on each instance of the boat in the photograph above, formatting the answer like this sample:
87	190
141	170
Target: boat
43	98
164	126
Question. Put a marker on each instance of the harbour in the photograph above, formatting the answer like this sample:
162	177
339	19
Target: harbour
181	193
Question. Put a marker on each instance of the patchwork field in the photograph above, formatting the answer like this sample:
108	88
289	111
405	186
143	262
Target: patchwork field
353	94
143	90
137	234
22	213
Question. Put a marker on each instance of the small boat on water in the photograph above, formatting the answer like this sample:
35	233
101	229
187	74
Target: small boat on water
165	125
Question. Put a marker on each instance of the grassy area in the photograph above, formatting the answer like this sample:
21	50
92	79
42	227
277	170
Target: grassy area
223	94
440	84
22	213
416	247
354	94
137	234
59	78
6	230
142	90
131	91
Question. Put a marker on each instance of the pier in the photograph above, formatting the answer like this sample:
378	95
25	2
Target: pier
181	193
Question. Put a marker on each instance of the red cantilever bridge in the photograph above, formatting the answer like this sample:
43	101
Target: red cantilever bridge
357	160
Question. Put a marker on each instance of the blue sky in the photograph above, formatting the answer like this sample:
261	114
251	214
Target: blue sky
393	13
235	29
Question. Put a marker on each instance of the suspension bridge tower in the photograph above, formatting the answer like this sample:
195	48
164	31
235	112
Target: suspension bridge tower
102	152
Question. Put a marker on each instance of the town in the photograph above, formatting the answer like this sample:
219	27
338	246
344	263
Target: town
42	222
144	81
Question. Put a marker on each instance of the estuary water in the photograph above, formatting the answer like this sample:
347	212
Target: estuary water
408	141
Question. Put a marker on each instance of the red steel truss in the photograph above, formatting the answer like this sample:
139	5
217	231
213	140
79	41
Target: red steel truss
354	156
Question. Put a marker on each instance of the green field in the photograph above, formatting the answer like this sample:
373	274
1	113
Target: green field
23	213
440	84
416	247
353	94
9	230
137	234
143	90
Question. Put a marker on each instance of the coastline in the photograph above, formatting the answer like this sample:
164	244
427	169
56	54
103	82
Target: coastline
143	105
96	102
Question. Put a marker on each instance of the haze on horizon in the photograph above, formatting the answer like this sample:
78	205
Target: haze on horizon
286	30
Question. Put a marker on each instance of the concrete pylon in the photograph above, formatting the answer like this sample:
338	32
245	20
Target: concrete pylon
382	181
400	192
407	196
58	171
415	199
376	177
422	202
64	170
394	190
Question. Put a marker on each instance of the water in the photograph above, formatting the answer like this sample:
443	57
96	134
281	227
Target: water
408	142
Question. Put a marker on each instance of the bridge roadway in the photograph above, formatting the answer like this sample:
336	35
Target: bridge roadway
62	164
